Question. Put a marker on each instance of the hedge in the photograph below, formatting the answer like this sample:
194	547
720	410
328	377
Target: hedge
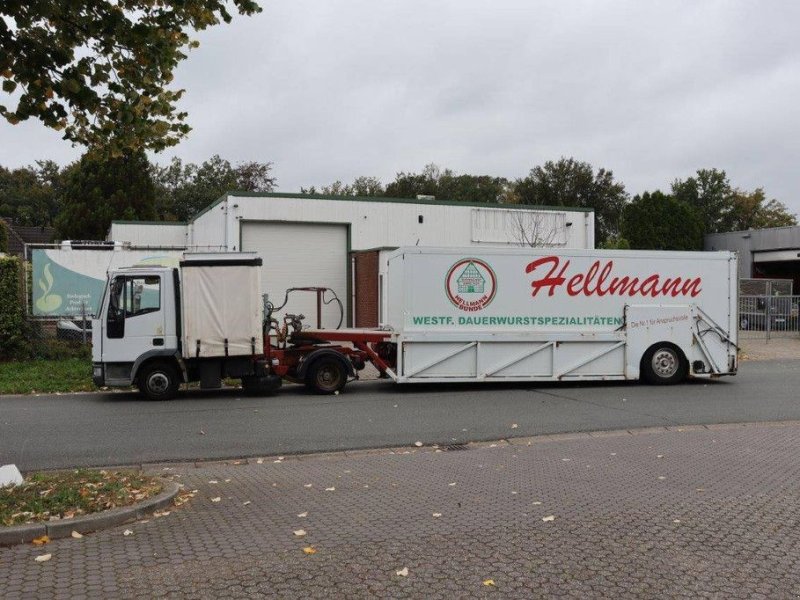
12	313
3	237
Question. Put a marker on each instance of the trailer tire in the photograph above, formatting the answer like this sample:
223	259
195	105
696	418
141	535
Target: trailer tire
158	380
326	375
664	364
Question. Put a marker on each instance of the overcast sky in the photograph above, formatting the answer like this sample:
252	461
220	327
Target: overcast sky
334	89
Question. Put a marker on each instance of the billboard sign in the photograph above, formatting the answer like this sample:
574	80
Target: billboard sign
67	281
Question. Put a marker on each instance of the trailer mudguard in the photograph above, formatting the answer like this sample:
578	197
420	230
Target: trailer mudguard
302	369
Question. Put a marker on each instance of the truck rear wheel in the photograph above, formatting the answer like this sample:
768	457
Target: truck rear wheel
326	376
664	364
158	381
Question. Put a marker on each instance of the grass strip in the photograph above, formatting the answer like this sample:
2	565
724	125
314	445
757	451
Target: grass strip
53	496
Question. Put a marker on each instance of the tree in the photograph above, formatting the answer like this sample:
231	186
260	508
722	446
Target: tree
534	229
447	185
657	221
361	186
709	194
100	189
31	195
3	237
569	182
183	190
751	210
99	70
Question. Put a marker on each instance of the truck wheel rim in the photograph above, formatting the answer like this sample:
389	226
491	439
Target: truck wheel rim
158	383
665	362
328	377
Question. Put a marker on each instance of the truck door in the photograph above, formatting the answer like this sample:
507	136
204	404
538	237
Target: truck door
135	320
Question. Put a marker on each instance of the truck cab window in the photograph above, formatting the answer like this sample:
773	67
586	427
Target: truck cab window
142	295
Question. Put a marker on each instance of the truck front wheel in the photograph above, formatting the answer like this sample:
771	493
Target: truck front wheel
158	381
664	364
326	376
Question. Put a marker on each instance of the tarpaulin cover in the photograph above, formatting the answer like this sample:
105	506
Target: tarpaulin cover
221	303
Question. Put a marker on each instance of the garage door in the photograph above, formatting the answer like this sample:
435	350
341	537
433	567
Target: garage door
301	255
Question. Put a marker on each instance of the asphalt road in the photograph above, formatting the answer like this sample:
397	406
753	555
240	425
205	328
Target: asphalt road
52	431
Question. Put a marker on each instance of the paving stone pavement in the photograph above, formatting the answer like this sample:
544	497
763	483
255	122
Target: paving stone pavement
689	512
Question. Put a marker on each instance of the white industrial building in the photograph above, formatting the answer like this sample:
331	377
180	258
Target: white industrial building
309	240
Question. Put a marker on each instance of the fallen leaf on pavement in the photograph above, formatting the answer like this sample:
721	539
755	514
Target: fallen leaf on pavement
309	550
418	444
303	514
260	461
76	535
488	582
40	541
202	432
661	477
43	558
537	503
213	481
451	484
246	502
659	456
127	532
307	485
403	572
549	518
514	426
330	489
299	532
217	499
676	520
437	514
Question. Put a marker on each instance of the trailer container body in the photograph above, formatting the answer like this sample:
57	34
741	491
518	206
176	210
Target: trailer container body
543	314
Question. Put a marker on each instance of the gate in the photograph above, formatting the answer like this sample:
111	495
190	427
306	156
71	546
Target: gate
765	316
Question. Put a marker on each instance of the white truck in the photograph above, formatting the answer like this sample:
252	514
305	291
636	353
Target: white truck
453	315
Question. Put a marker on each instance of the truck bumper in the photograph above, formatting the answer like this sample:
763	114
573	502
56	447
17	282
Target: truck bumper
98	374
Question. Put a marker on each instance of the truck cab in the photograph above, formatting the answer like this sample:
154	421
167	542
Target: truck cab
137	324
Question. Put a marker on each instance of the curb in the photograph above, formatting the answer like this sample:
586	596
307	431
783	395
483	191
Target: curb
542	438
21	534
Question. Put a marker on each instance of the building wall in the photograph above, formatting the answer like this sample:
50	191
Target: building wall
747	243
391	223
366	295
160	234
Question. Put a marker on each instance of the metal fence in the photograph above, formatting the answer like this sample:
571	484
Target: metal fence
763	317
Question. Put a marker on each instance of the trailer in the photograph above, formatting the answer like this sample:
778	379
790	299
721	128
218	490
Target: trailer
453	315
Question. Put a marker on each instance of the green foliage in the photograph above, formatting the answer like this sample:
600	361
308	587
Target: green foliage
660	222
709	194
615	243
99	70
752	210
3	237
361	186
12	320
183	190
98	190
31	195
446	185
569	182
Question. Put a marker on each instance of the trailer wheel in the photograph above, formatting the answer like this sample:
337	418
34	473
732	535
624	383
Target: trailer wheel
158	381
664	364
326	376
